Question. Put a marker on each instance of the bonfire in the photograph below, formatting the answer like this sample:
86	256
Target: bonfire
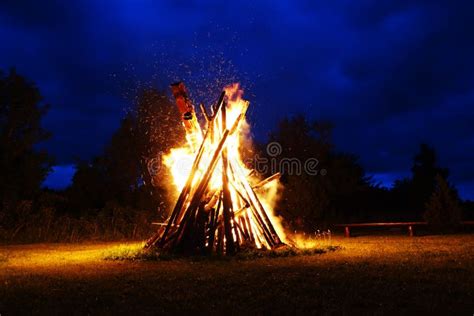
223	206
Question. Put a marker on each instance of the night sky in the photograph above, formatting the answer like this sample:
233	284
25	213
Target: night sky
389	74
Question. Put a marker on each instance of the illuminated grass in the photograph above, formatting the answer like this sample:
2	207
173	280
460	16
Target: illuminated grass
284	252
137	253
124	252
367	275
51	256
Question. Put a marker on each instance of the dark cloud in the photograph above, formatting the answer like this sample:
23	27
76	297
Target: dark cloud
390	74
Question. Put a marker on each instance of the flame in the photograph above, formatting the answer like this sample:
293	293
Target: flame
180	160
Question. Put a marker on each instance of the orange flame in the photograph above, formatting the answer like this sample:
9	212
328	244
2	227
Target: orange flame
180	160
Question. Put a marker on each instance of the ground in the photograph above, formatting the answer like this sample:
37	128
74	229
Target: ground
394	275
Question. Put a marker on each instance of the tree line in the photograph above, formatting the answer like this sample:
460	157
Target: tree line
116	195
347	194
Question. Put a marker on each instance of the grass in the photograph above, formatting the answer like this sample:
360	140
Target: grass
137	253
394	275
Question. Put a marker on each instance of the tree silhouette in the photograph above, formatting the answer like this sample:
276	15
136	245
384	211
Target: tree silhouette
409	195
424	173
129	172
87	193
22	167
442	208
330	193
120	163
158	128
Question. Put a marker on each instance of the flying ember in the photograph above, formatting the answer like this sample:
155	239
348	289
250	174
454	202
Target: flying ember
222	206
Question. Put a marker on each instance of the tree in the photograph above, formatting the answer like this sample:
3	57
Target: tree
442	208
113	177
158	129
424	173
468	209
400	201
327	191
129	173
121	164
22	166
409	195
88	192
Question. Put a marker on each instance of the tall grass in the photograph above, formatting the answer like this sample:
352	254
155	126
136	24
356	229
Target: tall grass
106	225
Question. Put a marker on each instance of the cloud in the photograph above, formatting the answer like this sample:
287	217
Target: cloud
390	74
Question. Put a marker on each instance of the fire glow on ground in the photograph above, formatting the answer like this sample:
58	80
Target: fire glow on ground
393	274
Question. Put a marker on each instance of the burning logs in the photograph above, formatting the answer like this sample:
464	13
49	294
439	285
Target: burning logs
218	210
188	116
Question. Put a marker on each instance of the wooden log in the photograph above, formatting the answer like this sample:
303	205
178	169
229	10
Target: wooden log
202	186
262	183
254	198
214	124
185	242
236	232
207	116
220	240
261	226
258	234
181	199
217	106
209	229
239	118
242	229
213	227
153	239
244	225
254	207
239	193
188	116
234	128
199	236
165	243
214	199
163	224
239	233
249	227
212	213
226	198
242	209
219	207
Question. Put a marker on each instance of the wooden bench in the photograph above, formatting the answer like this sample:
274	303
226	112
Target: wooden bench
409	225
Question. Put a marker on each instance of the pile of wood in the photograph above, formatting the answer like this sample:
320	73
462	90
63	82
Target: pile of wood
207	220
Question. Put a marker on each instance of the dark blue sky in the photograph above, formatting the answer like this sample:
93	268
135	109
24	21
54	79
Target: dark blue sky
389	74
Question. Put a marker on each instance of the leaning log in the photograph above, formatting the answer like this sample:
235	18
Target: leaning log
226	200
201	188
181	199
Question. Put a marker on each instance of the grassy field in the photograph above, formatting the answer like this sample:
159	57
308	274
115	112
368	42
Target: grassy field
374	275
